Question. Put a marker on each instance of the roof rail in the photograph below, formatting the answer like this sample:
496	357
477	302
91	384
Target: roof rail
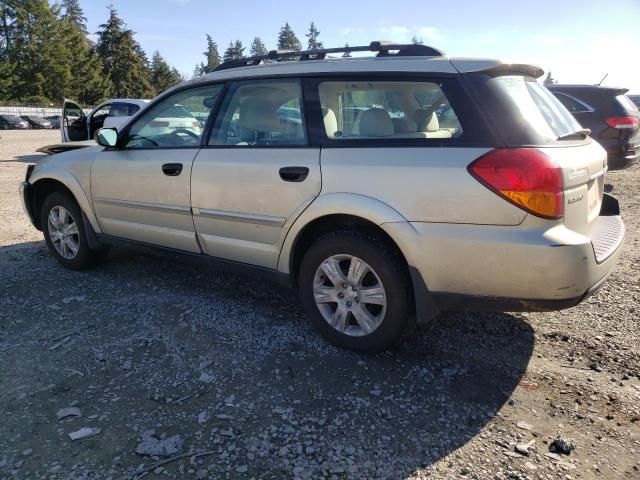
382	47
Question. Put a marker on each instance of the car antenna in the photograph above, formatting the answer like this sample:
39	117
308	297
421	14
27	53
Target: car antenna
605	76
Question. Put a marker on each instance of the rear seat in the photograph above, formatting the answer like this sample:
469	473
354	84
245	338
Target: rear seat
376	122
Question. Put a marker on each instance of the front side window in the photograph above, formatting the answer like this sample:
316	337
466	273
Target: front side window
119	110
176	121
261	113
387	110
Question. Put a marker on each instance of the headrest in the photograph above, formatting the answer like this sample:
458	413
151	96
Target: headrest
427	122
330	122
376	122
259	114
404	125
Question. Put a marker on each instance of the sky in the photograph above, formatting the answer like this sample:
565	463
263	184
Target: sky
579	41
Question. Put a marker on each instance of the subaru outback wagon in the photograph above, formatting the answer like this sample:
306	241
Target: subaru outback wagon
385	188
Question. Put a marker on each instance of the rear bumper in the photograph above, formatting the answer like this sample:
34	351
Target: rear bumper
496	268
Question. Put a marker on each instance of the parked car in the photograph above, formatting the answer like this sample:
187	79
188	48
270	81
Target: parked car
77	126
635	99
503	209
36	122
55	120
11	122
612	117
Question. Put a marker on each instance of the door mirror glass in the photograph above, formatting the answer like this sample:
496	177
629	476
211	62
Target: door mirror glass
107	137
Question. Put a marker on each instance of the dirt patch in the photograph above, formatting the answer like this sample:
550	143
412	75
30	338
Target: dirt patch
224	374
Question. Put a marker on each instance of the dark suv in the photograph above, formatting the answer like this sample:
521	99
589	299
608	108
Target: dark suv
612	117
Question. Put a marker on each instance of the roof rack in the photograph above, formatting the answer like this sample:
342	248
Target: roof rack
383	48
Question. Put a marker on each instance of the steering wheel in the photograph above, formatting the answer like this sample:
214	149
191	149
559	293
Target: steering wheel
193	135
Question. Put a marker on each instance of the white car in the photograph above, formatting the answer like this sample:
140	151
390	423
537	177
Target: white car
77	126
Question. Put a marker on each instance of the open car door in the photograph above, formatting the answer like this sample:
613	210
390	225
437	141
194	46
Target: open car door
74	123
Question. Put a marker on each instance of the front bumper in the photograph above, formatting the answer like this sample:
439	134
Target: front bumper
26	195
496	268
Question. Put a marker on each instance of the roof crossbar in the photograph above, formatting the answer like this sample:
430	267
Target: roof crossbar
382	48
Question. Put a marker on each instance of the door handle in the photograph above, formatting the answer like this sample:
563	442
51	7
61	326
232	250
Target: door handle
294	174
172	169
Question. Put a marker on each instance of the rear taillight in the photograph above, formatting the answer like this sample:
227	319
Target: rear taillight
623	122
525	177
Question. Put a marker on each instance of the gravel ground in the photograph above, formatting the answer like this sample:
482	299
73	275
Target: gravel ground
157	359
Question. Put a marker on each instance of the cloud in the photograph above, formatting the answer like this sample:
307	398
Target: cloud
350	30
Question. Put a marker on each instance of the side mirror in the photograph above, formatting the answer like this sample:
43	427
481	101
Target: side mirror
107	137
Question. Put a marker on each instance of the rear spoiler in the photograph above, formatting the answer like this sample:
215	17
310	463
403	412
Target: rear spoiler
515	69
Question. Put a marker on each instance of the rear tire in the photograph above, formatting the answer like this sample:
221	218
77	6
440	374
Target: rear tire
356	290
65	235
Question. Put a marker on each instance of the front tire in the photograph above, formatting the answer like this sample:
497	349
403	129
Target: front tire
356	290
65	235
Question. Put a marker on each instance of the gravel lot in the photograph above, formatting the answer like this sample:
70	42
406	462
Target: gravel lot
167	359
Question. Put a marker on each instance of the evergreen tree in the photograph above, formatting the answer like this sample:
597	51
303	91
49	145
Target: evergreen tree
199	70
347	53
313	43
74	13
234	51
7	14
38	53
87	84
6	78
124	61
212	55
287	39
162	75
549	80
416	41
257	47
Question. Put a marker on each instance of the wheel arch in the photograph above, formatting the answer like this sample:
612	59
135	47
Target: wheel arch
62	182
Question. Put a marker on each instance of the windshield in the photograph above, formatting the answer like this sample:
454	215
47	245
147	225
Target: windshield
539	108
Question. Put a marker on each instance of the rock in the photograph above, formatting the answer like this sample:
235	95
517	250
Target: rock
560	445
202	474
524	425
206	378
523	448
27	452
126	365
151	445
376	392
242	469
595	367
84	432
68	412
283	451
203	416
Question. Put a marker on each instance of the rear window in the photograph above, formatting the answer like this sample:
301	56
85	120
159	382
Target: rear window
538	107
626	103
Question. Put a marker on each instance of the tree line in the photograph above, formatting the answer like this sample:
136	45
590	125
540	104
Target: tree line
47	54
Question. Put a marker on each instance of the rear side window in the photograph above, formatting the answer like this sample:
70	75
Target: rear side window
387	110
572	104
537	106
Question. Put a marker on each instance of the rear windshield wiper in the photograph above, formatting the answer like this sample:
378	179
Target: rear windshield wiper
582	133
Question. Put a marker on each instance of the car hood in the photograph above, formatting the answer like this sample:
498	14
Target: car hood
66	147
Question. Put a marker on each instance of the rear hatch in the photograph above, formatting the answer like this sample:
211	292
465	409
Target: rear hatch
526	115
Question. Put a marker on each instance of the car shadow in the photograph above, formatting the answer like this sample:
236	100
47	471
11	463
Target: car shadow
241	348
32	158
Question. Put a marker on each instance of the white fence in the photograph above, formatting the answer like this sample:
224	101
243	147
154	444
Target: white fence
35	111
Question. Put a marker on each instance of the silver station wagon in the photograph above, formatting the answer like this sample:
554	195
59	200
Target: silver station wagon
385	188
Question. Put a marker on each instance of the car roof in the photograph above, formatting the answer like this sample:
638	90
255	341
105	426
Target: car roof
387	64
575	86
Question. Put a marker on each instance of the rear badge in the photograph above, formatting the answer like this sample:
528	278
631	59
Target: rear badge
575	199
